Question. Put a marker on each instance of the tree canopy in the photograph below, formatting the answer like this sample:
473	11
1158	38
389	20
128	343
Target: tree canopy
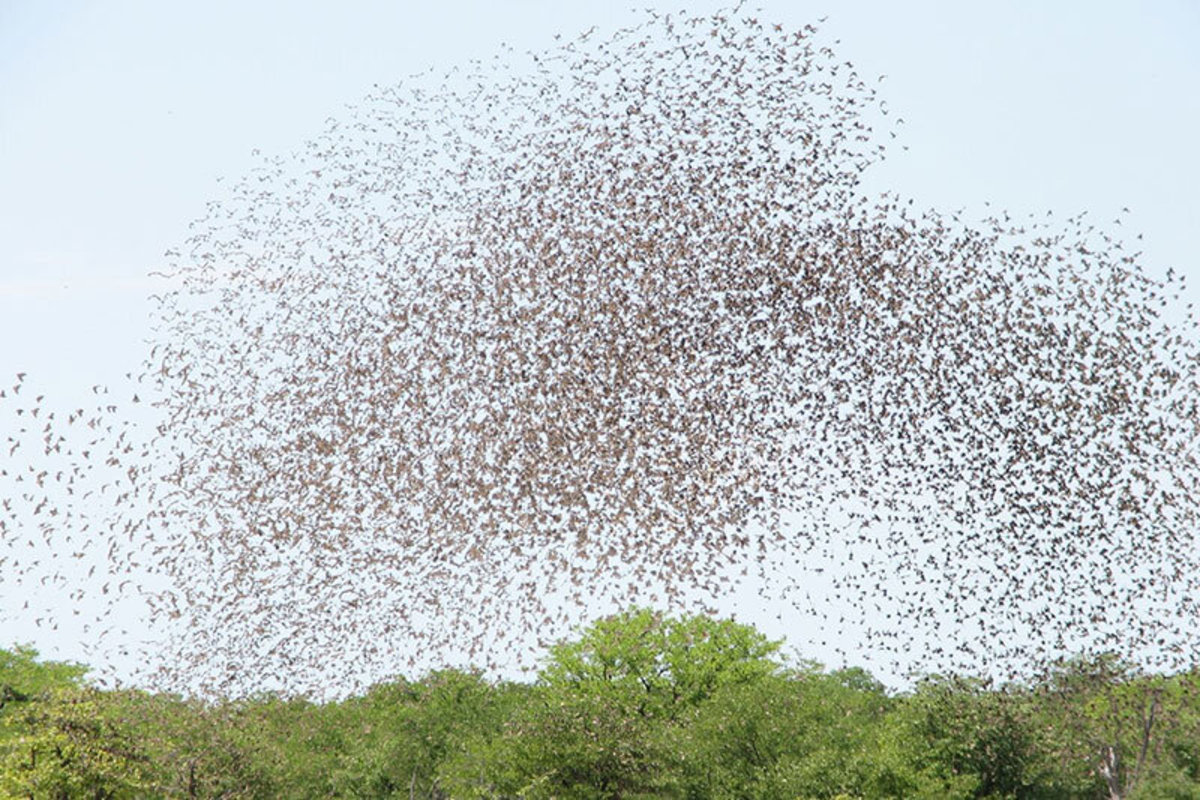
639	704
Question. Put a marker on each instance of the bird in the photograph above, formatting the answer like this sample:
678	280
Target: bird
473	363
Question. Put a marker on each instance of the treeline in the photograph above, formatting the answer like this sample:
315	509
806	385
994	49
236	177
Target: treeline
640	705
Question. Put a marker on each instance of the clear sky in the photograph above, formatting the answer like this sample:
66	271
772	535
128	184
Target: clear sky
118	118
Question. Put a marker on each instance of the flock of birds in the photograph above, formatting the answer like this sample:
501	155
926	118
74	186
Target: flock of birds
614	323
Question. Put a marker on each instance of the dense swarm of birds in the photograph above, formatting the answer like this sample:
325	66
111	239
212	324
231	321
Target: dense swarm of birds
615	323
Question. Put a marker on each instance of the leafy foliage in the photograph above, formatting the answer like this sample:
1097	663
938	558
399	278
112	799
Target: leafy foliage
65	745
640	704
23	676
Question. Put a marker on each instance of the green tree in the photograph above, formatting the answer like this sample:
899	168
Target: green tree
292	744
654	665
802	734
401	734
195	748
63	745
979	742
54	739
1121	731
24	677
597	726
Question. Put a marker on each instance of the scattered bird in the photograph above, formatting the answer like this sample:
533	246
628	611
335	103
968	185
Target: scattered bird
617	324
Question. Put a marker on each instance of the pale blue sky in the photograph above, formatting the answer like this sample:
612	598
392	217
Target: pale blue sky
117	118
